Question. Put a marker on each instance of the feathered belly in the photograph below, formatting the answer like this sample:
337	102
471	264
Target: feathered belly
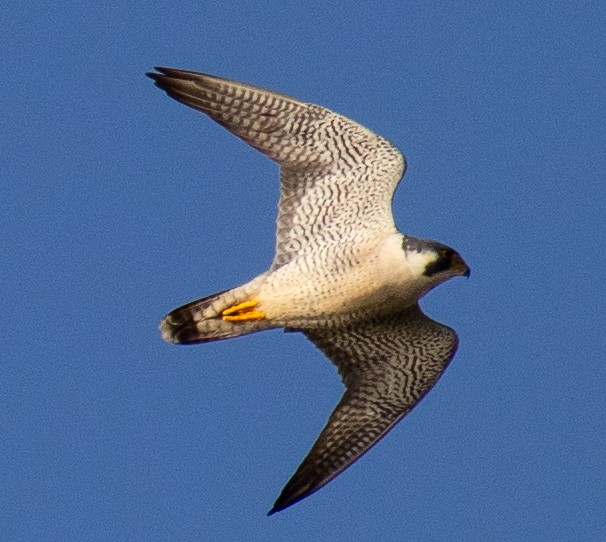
321	296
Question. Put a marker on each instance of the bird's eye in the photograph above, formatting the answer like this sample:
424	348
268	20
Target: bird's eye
446	254
442	262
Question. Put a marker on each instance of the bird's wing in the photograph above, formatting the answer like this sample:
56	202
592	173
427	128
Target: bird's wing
387	366
337	177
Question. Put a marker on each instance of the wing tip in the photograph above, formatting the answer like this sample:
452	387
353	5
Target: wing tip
273	511
163	73
165	78
185	86
295	491
286	501
159	73
171	72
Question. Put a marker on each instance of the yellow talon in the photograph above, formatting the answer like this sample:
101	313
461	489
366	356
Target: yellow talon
243	311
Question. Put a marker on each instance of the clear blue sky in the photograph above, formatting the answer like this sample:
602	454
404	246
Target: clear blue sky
117	204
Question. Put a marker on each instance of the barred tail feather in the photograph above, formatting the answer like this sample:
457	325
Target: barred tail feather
203	321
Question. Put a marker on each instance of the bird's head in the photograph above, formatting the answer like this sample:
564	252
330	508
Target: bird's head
434	261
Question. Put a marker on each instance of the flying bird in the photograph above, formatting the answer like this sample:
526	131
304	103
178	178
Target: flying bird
342	274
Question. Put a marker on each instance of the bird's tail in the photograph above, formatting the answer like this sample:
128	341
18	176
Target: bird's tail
220	316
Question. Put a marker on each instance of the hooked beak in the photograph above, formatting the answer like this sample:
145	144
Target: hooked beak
460	266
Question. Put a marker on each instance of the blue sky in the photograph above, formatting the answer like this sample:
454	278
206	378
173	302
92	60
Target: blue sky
118	204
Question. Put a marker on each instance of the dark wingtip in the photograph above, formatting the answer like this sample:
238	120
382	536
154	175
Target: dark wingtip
175	73
154	75
159	79
283	501
290	496
281	504
162	76
171	81
277	507
272	511
162	70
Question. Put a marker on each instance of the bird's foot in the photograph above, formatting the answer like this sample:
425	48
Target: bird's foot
243	311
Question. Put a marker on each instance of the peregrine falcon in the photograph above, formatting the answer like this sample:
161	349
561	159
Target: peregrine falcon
342	274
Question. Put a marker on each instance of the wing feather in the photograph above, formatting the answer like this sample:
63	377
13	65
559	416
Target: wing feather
337	177
387	366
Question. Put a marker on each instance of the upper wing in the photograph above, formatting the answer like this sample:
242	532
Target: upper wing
337	177
387	366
